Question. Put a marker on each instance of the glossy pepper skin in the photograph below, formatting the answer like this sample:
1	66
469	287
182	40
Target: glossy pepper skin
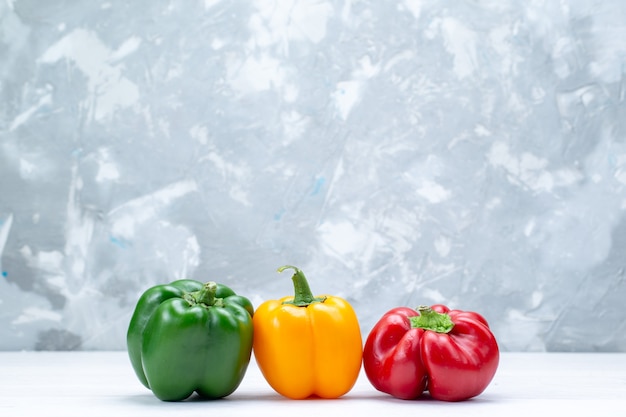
187	336
451	353
307	346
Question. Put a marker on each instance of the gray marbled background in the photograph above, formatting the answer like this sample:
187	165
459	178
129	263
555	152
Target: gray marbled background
471	153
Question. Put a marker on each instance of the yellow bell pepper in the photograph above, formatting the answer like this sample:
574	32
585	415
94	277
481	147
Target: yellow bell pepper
307	346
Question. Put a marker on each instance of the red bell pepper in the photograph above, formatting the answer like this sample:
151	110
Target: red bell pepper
451	353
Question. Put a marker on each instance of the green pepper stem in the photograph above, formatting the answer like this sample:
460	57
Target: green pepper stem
432	320
206	295
303	296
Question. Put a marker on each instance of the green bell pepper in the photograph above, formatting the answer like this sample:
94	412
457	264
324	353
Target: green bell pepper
187	336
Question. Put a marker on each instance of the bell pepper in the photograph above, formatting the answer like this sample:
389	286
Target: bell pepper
451	353
187	336
307	346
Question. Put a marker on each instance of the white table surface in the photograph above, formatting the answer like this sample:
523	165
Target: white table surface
85	384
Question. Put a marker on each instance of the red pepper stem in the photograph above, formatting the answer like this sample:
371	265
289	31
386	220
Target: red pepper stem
303	296
432	320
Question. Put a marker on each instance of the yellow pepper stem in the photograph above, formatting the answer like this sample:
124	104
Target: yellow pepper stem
303	295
